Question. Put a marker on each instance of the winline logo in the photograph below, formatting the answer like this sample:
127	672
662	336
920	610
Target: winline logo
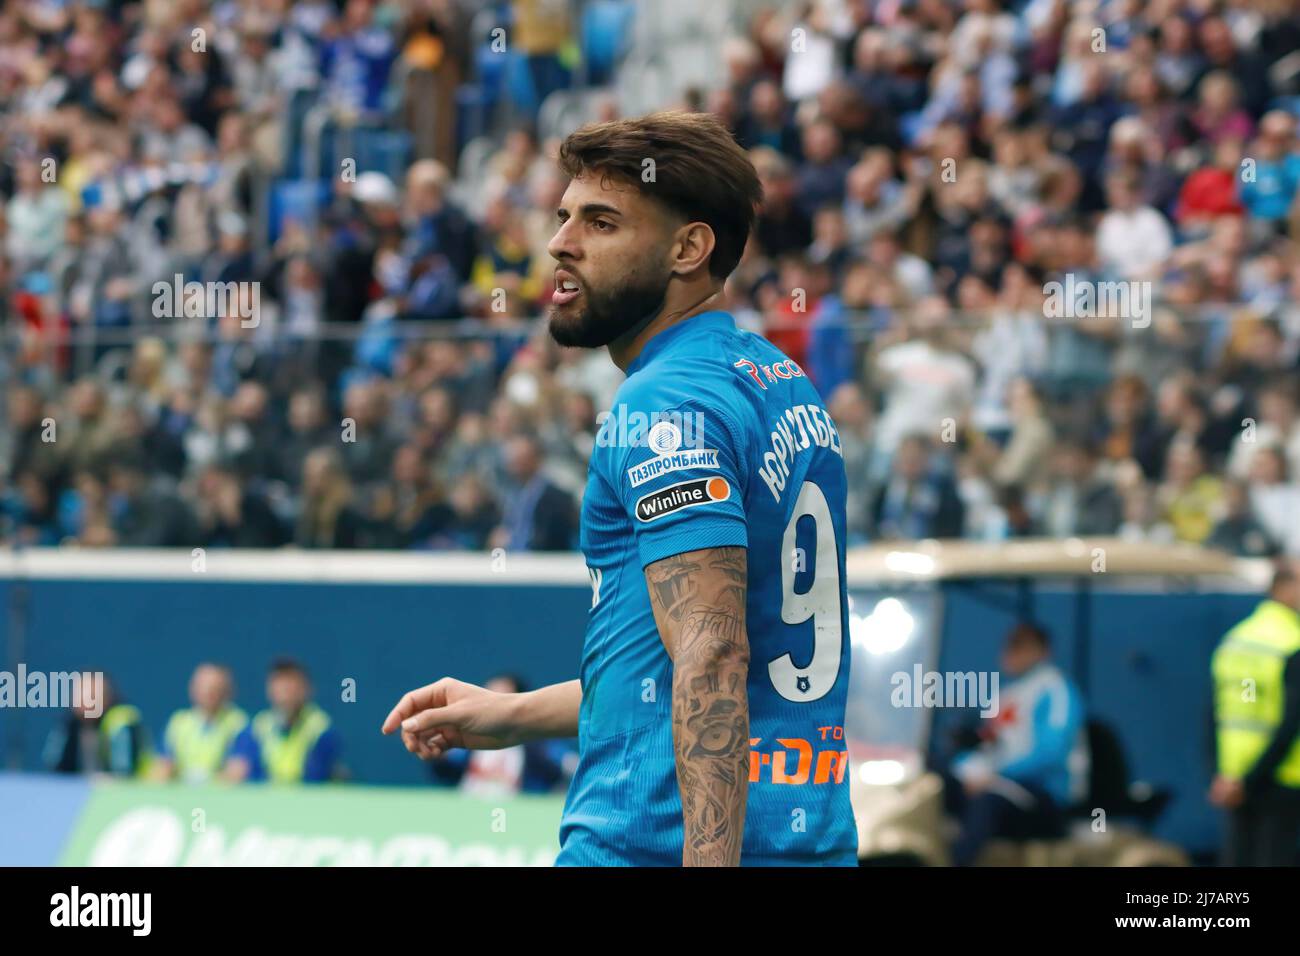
684	494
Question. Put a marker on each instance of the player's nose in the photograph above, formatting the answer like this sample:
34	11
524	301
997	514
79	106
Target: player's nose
564	244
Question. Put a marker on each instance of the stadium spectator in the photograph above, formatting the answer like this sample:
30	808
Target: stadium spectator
1133	240
146	512
1076	500
1239	532
1023	461
1269	193
1189	499
782	225
928	171
437	224
409	509
925	379
537	515
328	516
232	515
1274	499
854	419
542	31
917	501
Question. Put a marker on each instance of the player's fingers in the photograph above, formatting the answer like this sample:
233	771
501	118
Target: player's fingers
409	704
412	702
425	746
410	742
394	718
430	746
433	717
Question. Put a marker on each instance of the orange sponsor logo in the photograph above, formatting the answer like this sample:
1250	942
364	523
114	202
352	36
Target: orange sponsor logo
795	760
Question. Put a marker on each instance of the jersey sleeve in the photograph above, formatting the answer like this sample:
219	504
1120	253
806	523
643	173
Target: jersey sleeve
676	472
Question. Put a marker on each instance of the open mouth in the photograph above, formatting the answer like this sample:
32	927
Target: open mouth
566	289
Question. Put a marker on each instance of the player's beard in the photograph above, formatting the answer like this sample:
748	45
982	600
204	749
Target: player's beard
604	316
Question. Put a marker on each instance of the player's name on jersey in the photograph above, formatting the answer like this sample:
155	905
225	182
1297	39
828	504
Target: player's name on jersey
797	430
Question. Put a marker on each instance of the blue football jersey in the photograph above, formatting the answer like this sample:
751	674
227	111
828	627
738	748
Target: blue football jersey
715	439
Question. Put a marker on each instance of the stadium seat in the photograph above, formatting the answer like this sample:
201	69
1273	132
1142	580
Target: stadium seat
605	29
382	150
297	199
1118	844
519	88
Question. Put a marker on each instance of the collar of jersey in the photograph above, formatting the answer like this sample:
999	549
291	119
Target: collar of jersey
696	323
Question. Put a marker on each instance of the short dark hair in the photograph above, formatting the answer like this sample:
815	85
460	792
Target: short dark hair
287	665
700	172
1029	631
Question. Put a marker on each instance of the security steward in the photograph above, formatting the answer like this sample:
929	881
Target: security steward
198	739
292	741
1256	674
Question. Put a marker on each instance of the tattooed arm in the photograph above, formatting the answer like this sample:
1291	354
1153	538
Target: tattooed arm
699	606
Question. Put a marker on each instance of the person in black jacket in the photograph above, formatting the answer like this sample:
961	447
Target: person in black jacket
916	502
232	516
147	514
538	516
100	733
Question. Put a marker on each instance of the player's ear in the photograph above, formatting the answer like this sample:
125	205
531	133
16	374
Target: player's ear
694	245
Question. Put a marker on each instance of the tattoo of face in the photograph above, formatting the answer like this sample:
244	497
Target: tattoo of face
699	598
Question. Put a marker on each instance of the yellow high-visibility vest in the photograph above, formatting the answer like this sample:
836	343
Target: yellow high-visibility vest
116	718
284	756
1248	690
199	746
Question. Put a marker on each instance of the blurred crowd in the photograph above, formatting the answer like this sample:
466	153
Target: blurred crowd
930	167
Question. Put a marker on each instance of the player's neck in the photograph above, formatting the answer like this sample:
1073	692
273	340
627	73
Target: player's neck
626	348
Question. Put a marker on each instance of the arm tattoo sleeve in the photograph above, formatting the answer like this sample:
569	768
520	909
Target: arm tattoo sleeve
699	604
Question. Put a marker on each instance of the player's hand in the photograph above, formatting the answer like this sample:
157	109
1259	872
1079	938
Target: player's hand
450	713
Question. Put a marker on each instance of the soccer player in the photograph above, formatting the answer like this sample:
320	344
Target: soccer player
710	707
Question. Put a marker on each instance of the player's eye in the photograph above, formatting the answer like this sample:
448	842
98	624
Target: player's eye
602	225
